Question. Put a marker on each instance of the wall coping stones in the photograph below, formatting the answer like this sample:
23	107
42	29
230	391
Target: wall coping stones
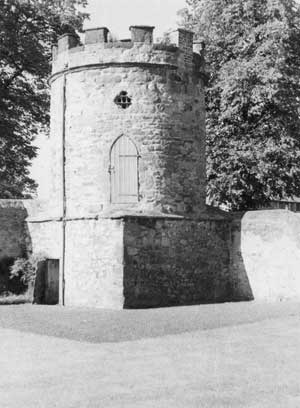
211	214
24	204
10	203
118	216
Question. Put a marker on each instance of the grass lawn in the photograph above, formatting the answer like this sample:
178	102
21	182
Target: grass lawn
199	356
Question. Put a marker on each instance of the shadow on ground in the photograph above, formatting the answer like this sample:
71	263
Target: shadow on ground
100	326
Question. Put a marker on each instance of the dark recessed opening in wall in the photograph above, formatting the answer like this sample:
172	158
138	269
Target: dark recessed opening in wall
46	286
123	100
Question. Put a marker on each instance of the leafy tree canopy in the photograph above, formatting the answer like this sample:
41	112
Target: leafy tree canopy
27	30
253	124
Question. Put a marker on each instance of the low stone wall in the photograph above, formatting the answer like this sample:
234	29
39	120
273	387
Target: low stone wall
249	256
13	232
16	231
139	261
266	254
14	240
176	262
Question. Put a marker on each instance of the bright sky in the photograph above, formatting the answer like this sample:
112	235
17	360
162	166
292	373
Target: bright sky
118	15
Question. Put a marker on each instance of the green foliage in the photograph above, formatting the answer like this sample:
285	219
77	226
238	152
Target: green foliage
25	268
27	30
8	285
253	142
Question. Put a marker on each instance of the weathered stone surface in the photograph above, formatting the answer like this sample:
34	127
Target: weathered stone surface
266	254
142	34
46	238
176	262
136	261
15	240
171	175
94	263
77	225
12	216
166	121
96	35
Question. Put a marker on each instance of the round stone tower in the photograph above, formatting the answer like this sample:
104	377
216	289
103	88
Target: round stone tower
127	126
124	219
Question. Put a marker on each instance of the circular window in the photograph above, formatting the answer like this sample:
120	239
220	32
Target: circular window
123	100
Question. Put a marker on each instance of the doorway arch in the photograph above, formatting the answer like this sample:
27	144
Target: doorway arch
124	185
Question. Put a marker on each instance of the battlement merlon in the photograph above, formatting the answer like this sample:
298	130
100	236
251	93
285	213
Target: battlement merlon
142	34
98	48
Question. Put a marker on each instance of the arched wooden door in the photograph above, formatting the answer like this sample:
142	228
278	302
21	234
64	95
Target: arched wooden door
124	171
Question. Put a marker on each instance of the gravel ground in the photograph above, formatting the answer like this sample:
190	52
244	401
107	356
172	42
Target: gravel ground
98	326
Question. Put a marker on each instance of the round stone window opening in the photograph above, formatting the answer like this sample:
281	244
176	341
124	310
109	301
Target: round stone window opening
123	100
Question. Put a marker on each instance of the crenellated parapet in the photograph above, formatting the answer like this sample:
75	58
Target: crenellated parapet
99	49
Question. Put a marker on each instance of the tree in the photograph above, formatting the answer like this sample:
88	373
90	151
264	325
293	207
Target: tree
253	124
27	30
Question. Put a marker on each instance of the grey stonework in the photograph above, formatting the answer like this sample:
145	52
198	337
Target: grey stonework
149	261
166	248
176	262
165	122
13	233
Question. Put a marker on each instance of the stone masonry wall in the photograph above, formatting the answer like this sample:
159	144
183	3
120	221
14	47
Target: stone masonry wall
266	254
46	238
139	261
176	262
15	240
93	259
255	255
166	122
163	261
94	263
15	234
12	228
161	122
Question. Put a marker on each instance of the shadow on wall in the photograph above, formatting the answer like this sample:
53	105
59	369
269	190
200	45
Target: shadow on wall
15	242
230	258
239	277
181	262
266	254
168	262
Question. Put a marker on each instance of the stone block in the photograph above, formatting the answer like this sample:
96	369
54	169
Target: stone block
96	35
142	34
67	41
